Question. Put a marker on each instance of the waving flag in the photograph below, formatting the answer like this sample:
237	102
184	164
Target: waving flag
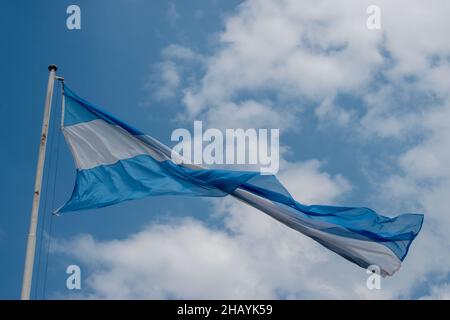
116	162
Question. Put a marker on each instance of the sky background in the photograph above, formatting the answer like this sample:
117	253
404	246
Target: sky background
363	118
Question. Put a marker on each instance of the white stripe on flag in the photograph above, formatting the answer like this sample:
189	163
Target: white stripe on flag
97	142
372	252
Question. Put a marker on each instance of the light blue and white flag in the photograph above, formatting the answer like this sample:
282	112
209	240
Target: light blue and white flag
116	162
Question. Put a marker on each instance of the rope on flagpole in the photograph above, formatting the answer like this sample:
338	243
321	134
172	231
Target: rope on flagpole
45	198
50	231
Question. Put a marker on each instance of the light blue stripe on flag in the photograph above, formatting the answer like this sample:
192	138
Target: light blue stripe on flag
116	162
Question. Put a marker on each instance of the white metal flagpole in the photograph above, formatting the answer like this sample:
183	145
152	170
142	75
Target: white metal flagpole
31	244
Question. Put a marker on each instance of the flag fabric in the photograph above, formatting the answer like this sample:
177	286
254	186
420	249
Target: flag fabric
116	162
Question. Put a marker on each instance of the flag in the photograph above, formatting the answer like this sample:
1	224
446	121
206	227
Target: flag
116	162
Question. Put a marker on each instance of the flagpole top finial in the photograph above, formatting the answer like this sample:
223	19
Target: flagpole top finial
52	67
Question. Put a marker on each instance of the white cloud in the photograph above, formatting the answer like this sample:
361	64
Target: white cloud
291	48
170	77
172	13
441	292
327	110
183	259
309	54
178	52
430	159
166	78
249	114
308	182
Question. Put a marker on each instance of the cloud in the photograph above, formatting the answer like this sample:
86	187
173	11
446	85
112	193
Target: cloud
327	110
178	52
167	77
170	78
172	13
249	114
290	49
441	292
184	259
307	55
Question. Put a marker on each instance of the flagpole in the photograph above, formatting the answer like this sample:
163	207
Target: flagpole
31	244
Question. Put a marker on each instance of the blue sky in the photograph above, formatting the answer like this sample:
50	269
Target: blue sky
361	125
